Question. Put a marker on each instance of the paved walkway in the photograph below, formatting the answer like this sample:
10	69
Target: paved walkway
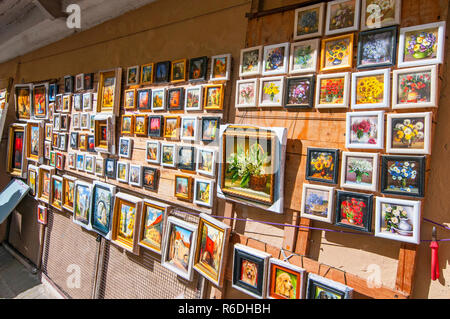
16	282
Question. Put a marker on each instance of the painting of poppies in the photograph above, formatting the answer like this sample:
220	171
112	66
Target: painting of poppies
354	210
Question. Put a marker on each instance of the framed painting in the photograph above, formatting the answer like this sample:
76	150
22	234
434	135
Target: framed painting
135	175
69	84
71	160
197	68
109	89
251	61
422	45
178	71
271	92
317	202
104	130
286	281
52	91
102	208
56	123
371	89
159	99
34	145
48	131
133	75
125	147
168	155
155	125
69	100
183	187
210	249
90	143
378	14
397	219
68	192
52	161
220	67
377	48
162	72
203	192
89	164
214	95
172	127
47	148
64	124
127	126
140	125
308	22
85	121
56	196
409	133
275	59
332	90
415	87
246	93
206	161
129	102
189	128
403	175
304	56
193	98
337	53
360	171
175	99
23	97
250	271
76	123
80	162
42	214
44	183
16	150
354	211
79	83
322	288
126	222
99	166
58	103
88	81
40	108
365	130
179	246
322	165
33	179
60	158
153	219
342	16
144	99
82	204
210	128
150	179
82	142
147	73
122	172
153	154
110	168
299	92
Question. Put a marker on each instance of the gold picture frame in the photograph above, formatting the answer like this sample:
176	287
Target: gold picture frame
109	89
127	125
17	141
215	102
152	228
44	183
35	136
140	124
336	50
179	191
170	131
147	76
178	70
68	192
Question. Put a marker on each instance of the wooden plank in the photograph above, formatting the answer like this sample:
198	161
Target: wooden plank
406	268
303	236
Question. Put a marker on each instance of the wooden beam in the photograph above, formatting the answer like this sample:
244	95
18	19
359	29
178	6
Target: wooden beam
51	8
303	236
406	268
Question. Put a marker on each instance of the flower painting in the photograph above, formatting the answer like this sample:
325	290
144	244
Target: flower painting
377	48
322	165
409	133
415	87
371	89
359	171
342	16
403	175
365	129
271	91
300	92
317	202
152	226
354	210
250	61
308	21
332	90
380	13
246	93
275	59
337	53
303	57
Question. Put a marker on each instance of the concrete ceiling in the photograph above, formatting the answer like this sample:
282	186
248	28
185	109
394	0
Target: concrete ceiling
27	25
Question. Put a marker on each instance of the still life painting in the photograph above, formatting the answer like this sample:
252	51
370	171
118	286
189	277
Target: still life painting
317	202
303	57
275	59
322	165
380	13
365	130
332	90
371	89
309	21
271	92
300	92
250	61
354	211
337	53
246	93
359	171
342	16
377	48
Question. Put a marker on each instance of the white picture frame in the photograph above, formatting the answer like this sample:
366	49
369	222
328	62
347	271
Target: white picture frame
158	152
185	119
79	82
87	121
127	169
74	162
250	83
76	121
396	104
427	117
164	98
375	13
188	275
174	153
88	186
137	68
302	274
243	73
285	59
355	185
199	89
87	102
386	91
279	102
99	172
315	46
135	169
439	59
356	18
345	99
201	171
211	193
79	162
125	152
330	207
371	143
92	169
321	7
397	234
228	67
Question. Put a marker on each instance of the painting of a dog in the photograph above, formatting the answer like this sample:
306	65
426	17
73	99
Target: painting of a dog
284	286
249	273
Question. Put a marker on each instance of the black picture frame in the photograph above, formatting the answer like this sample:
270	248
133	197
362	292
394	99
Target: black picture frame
420	177
52	92
69	84
156	133
239	257
62	142
91	143
205	120
326	285
393	51
180	105
111	162
194	68
88	81
309	170
366	218
155	173
191	166
162	72
105	229
138	100
298	79
74	140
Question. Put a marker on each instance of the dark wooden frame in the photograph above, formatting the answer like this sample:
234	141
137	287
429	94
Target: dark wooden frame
203	128
239	256
335	153
362	34
156	174
367	218
202	77
114	161
180	107
312	80
155	133
186	167
166	78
